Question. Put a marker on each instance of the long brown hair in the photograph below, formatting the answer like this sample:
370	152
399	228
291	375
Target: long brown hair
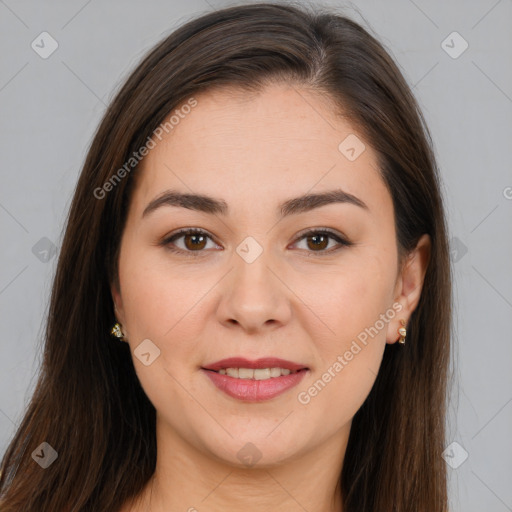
88	403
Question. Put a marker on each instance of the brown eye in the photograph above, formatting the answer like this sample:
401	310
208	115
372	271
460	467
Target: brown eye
194	241
317	241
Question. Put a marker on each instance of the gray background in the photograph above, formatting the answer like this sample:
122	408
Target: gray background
51	107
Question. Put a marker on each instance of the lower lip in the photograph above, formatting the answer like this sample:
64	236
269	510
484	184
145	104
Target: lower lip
251	390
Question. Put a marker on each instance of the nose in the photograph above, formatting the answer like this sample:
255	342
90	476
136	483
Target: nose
254	296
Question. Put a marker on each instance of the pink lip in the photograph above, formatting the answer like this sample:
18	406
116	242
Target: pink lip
265	362
251	390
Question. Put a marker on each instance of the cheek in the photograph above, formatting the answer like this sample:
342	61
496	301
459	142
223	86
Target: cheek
350	350
165	305
163	308
153	294
351	298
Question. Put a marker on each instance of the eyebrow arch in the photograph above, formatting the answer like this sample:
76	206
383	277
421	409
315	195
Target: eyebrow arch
214	206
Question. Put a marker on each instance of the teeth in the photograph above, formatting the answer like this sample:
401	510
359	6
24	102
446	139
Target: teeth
246	373
263	373
257	374
232	372
275	372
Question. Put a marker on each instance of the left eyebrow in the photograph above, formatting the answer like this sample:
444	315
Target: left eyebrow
308	202
215	206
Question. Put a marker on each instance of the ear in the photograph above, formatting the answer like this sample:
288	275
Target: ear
118	303
409	285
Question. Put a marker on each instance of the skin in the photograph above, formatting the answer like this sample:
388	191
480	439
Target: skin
293	301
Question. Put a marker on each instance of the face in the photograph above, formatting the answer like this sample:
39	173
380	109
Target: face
312	282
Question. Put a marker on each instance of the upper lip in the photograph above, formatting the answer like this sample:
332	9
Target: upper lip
264	362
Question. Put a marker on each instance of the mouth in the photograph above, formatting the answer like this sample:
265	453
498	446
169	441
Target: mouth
259	369
255	381
255	374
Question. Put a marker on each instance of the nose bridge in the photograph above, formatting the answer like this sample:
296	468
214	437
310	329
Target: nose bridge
255	296
252	273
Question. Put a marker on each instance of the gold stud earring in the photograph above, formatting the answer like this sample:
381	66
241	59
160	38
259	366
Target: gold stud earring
117	332
403	332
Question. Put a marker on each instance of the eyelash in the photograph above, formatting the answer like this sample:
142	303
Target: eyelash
194	231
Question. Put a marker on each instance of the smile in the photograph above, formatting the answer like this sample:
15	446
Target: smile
255	385
256	374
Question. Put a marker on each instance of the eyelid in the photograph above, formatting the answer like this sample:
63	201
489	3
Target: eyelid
321	230
166	242
340	239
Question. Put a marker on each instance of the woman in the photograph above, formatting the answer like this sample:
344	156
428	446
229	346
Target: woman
252	306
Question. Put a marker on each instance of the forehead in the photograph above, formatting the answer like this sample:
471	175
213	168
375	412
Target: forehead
260	148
